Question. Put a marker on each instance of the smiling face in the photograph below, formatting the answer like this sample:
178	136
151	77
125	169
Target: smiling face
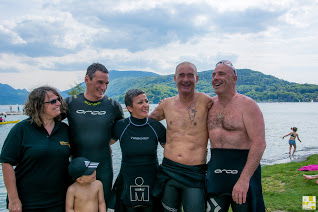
140	107
223	79
186	77
96	87
50	111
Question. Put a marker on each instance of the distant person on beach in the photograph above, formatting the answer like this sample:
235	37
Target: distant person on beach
181	177
139	137
237	135
86	193
2	119
38	147
311	177
91	116
292	140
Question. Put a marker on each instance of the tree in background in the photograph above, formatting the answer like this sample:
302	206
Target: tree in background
77	89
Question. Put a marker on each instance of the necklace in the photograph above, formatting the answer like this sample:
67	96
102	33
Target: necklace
191	111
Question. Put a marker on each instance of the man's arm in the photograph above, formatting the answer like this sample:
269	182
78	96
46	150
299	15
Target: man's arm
10	183
158	113
69	203
255	128
101	200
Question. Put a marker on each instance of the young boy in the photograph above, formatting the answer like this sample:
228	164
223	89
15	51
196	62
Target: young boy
86	193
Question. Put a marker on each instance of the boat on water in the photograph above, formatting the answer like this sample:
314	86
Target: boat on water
9	122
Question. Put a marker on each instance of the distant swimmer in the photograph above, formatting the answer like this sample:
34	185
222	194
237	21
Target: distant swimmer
292	140
237	135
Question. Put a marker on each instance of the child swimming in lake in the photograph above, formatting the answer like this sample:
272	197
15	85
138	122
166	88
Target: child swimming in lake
292	140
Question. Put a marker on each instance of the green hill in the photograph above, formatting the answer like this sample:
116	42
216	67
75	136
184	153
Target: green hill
261	87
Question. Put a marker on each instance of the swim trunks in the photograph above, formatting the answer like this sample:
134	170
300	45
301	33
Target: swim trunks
224	169
178	183
292	142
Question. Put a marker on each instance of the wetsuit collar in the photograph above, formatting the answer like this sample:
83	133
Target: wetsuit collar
138	122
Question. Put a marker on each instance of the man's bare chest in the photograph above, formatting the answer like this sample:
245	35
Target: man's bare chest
228	119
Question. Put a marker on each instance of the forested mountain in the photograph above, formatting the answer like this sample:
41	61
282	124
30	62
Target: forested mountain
261	87
9	95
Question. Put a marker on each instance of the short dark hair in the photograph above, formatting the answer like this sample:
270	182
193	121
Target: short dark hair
130	94
95	67
294	129
34	106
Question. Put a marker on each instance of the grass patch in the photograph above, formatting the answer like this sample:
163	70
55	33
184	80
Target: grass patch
284	186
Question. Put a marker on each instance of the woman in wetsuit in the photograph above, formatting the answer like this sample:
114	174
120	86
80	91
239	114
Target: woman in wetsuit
292	140
139	137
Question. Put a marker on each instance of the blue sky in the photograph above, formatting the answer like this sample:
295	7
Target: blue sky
53	41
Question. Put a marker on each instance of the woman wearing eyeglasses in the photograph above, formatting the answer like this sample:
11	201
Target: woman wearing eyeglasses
35	155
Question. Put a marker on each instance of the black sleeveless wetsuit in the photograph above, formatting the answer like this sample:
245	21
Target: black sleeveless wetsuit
139	140
91	126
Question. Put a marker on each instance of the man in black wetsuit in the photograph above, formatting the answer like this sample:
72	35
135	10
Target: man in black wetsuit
237	135
91	116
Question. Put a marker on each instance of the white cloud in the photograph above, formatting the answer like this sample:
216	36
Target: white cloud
50	39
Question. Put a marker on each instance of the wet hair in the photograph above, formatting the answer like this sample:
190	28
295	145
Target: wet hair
187	63
95	67
130	94
294	129
34	106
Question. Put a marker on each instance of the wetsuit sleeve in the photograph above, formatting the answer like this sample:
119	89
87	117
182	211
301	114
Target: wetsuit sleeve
12	147
162	134
115	131
160	130
119	113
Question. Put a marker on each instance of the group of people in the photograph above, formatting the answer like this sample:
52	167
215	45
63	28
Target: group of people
35	155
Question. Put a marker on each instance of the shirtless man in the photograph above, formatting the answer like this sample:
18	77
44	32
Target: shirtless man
86	193
182	173
237	135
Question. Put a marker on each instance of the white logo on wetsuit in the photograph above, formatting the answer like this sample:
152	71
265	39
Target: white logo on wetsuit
94	113
227	171
139	138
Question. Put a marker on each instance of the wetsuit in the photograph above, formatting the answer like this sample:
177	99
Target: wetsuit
178	183
41	162
91	126
139	140
224	169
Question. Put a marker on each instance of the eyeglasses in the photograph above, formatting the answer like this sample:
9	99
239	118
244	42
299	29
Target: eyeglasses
227	63
53	101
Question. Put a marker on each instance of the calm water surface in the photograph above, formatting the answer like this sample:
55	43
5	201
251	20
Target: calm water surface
279	118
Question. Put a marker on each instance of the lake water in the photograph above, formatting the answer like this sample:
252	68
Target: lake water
279	118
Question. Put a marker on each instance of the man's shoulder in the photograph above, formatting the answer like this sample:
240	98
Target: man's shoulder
111	101
245	99
73	98
203	97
